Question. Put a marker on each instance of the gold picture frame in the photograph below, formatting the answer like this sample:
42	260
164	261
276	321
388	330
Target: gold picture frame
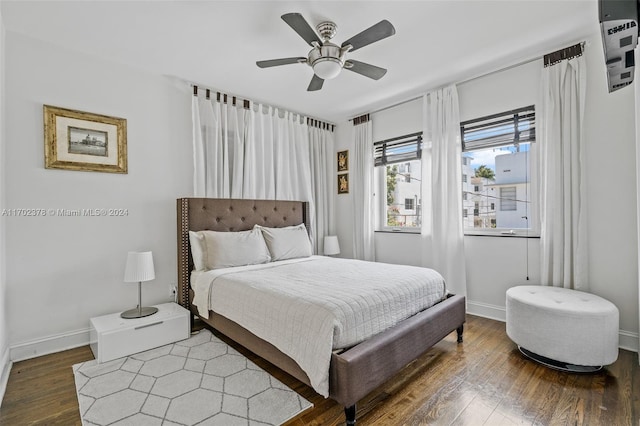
343	183
343	160
76	140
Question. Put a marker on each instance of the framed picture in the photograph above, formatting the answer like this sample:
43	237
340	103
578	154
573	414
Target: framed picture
76	140
343	183
343	161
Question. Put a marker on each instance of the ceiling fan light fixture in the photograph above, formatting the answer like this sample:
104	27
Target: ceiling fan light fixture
327	68
327	59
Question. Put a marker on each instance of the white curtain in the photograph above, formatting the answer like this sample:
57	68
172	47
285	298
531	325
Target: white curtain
219	141
563	234
442	228
362	189
321	159
263	153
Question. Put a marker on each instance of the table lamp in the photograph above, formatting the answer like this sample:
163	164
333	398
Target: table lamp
331	245
139	268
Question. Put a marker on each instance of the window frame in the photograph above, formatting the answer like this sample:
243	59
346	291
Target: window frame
380	163
532	214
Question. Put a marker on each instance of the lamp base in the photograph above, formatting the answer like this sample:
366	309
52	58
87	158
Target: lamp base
139	313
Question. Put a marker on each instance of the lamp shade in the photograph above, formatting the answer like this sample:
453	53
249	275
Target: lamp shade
139	267
331	245
327	68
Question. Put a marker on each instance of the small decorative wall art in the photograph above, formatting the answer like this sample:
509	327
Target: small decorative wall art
343	183
76	140
343	161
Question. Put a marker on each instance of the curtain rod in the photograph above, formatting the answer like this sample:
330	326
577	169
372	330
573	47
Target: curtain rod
467	80
314	122
562	54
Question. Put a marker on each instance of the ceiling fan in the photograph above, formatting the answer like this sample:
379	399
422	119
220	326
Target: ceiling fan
328	59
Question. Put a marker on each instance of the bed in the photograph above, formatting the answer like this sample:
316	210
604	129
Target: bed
353	372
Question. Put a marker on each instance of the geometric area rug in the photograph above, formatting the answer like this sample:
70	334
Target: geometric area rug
200	380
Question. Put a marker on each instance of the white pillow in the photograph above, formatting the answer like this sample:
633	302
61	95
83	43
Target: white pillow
289	242
198	250
228	249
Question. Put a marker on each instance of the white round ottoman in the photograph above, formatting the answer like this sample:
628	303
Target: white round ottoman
562	328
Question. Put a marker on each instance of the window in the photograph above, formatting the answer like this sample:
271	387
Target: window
408	204
508	198
464	177
497	154
398	178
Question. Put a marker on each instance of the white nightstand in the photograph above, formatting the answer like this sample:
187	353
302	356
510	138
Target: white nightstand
113	337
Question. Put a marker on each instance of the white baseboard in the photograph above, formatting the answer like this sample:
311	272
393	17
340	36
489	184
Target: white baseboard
626	339
629	341
5	364
49	345
486	310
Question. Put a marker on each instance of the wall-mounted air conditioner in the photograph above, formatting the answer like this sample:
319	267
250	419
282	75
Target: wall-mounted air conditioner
619	26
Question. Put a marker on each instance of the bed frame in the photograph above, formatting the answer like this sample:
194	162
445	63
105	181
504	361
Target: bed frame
353	373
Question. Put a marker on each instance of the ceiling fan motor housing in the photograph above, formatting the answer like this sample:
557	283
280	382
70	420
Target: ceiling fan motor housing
327	29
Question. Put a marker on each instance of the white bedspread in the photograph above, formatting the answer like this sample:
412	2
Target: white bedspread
307	307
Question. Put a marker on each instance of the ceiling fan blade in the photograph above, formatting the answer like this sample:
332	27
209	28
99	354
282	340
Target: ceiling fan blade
276	62
382	29
302	27
365	69
316	84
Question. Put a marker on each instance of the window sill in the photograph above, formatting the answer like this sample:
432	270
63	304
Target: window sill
503	234
398	231
499	234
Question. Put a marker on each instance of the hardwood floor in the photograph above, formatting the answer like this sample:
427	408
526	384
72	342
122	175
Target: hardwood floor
483	381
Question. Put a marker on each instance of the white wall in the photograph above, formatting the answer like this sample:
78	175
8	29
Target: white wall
5	363
637	120
63	270
343	202
611	193
495	264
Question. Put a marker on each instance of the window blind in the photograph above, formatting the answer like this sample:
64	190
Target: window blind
510	127
396	150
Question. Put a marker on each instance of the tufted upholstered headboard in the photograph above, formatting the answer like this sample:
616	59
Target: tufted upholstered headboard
224	214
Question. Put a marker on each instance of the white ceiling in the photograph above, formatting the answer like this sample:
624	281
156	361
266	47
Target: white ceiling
216	43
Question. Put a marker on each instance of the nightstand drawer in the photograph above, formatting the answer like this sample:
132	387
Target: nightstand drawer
119	343
113	337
